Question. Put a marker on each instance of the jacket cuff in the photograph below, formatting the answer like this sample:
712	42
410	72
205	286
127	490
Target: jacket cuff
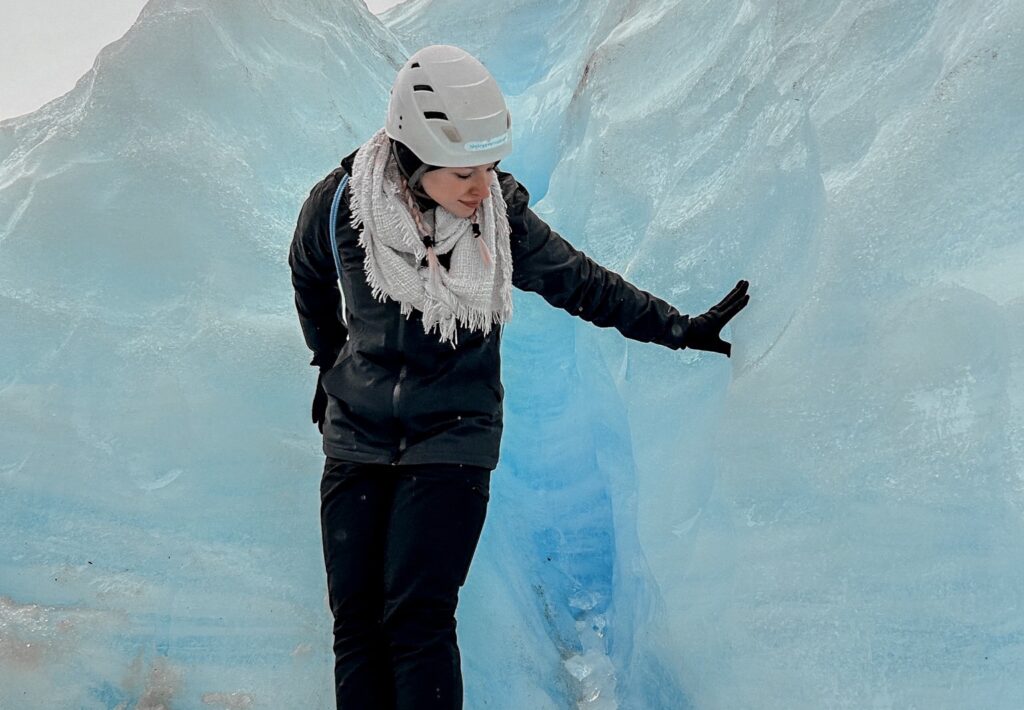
675	334
324	360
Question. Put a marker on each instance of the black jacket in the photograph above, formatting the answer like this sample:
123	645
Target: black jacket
399	396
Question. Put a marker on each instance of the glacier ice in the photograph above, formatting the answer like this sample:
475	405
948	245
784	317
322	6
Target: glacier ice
833	518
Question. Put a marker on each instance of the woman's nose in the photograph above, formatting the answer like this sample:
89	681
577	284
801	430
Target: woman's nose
482	185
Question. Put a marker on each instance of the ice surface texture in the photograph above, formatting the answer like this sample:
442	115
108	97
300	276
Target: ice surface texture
833	518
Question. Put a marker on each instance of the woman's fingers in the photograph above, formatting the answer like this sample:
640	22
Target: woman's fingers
732	304
706	327
737	292
734	308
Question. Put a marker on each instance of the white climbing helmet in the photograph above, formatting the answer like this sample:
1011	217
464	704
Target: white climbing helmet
447	108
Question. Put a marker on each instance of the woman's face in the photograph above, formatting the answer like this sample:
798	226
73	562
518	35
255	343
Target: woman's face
459	190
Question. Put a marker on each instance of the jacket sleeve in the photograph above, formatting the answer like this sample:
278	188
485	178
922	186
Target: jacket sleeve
314	277
547	264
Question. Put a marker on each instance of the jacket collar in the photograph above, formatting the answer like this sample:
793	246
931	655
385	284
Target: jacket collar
347	161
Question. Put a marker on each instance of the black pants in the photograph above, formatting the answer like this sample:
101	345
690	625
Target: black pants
398	542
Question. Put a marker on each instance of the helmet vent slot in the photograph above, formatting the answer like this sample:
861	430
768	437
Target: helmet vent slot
435	114
415	65
423	87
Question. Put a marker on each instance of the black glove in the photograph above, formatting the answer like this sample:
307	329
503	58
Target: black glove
320	402
324	361
703	333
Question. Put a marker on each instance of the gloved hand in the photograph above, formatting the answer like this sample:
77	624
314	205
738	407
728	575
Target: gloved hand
324	361
703	333
320	401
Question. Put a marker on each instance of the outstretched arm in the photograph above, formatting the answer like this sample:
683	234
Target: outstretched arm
545	263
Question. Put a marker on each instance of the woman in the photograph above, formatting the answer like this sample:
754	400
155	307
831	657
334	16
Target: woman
430	237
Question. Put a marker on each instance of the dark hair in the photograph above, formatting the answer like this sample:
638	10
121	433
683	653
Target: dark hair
413	169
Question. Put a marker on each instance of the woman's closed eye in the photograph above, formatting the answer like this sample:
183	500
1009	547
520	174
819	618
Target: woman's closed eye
467	177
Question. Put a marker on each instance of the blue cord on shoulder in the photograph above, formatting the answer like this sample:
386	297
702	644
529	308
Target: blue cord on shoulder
334	243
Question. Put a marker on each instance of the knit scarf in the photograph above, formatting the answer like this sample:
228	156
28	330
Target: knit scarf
475	291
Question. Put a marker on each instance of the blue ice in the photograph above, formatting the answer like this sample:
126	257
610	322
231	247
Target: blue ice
832	518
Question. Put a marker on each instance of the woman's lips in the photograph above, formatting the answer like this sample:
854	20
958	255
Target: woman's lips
474	205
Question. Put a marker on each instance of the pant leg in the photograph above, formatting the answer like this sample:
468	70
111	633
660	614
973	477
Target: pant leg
436	521
355	504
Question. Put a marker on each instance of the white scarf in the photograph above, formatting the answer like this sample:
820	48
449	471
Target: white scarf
471	291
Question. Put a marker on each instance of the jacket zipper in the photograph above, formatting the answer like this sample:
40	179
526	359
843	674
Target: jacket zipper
396	392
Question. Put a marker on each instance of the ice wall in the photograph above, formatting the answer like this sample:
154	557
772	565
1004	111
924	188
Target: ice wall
833	517
158	470
830	519
842	524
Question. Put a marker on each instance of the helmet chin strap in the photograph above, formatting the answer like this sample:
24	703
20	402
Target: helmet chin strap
414	179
